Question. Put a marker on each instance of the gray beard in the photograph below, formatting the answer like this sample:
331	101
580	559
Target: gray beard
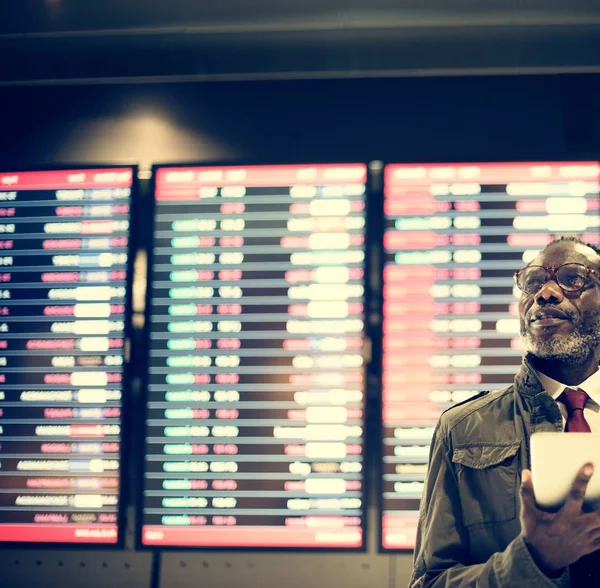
577	347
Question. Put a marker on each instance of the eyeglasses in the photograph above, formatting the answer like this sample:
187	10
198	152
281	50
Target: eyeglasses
571	277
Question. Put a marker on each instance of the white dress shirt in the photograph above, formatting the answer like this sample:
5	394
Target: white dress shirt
591	411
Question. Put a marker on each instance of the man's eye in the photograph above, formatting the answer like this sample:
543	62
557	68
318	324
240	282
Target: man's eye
574	281
533	284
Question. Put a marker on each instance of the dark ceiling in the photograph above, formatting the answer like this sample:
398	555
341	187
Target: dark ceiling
77	41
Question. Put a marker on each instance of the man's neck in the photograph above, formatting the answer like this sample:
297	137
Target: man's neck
571	374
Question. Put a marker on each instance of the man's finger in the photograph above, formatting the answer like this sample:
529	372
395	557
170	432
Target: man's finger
591	521
594	533
527	493
577	492
593	542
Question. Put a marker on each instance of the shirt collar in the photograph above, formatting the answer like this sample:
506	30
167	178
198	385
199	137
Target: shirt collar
556	388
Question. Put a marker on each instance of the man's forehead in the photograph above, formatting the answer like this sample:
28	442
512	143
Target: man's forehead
565	252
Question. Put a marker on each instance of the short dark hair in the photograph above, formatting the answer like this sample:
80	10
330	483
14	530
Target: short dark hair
573	239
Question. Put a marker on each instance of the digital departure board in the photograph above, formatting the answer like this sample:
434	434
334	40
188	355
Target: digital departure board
63	272
255	395
454	236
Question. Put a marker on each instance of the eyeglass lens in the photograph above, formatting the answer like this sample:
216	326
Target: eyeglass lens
570	277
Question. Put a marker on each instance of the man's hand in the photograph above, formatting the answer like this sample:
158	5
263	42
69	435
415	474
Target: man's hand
556	540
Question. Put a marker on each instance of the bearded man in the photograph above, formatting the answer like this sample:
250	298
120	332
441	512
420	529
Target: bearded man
475	527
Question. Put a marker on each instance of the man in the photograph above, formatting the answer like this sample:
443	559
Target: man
474	529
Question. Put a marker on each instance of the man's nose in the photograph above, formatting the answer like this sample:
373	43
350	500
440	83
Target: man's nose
550	292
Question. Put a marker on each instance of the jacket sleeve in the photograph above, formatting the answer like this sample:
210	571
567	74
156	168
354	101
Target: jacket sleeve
442	547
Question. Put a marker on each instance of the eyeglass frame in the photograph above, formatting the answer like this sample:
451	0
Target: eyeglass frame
551	275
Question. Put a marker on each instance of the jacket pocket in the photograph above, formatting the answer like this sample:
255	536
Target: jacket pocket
487	479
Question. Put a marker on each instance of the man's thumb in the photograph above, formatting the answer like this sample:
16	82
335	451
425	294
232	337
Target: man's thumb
527	493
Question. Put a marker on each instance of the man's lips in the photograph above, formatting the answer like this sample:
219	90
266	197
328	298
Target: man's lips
548	316
548	322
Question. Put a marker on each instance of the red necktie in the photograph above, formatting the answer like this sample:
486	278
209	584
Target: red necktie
575	401
585	572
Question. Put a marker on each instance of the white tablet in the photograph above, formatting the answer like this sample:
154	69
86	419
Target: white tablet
555	460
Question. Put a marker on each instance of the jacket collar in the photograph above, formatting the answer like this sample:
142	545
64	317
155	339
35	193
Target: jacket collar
544	414
527	382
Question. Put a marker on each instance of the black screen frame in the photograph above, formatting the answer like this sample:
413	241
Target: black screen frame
128	369
149	246
593	158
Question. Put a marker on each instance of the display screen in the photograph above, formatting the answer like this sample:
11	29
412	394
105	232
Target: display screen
255	395
63	273
454	236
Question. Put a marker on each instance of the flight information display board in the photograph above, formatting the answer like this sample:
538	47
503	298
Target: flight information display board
454	236
255	394
63	272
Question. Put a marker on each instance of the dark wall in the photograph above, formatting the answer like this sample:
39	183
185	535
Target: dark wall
433	119
355	120
444	119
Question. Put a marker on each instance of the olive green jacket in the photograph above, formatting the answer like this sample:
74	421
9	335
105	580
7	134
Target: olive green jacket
469	529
